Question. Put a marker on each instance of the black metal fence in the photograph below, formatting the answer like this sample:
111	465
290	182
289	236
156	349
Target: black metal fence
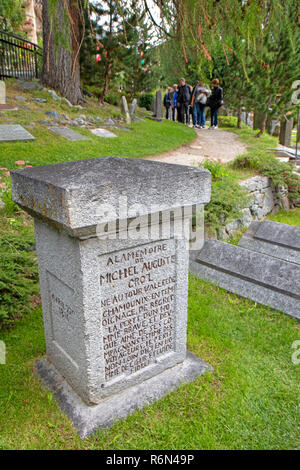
19	58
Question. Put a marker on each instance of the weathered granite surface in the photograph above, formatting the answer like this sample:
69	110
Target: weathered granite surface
279	234
262	278
277	240
14	132
87	419
69	193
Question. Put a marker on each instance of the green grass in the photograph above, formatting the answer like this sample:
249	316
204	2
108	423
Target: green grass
143	139
249	401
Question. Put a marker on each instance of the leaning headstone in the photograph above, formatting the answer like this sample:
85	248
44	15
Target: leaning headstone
68	133
285	134
13	133
124	109
113	285
2	92
274	239
133	107
99	132
267	280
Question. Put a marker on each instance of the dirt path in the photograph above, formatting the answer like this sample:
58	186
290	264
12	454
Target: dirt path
214	144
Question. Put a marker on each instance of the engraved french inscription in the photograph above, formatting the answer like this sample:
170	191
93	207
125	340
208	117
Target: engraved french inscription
137	306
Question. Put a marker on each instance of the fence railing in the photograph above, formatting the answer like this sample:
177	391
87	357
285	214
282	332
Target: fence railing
19	58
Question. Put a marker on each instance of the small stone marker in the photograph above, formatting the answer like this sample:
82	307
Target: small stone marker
115	308
68	133
274	239
99	132
256	276
14	132
2	92
124	109
158	105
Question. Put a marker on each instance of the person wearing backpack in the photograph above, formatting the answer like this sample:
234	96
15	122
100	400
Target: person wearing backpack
199	100
168	101
215	102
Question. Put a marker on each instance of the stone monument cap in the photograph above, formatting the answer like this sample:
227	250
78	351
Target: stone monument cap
70	194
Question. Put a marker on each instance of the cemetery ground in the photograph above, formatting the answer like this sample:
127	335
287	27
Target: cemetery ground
249	401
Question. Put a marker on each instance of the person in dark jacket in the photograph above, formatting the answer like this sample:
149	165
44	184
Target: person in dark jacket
183	101
168	101
215	102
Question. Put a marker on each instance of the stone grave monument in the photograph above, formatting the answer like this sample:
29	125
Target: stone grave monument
2	92
113	286
124	109
285	133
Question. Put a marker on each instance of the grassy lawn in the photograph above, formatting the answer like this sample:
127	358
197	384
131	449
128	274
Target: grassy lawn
143	139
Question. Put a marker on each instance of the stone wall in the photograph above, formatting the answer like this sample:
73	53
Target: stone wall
264	198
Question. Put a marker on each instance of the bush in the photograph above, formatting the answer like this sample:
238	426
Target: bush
228	199
145	100
280	173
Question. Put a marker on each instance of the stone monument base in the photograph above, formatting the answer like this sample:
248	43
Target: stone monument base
87	419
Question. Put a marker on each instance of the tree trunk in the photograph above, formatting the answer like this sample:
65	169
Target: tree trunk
264	118
61	69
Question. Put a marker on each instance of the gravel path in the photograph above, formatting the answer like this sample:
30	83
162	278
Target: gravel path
214	144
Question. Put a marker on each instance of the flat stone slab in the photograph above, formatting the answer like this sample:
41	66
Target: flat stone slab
283	247
70	193
256	276
68	133
279	234
7	107
14	132
87	419
99	132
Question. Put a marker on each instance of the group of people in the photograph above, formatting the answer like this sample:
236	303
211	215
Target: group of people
184	100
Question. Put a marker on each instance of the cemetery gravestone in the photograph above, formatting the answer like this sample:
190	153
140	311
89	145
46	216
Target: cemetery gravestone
115	308
133	107
14	132
99	132
265	279
68	133
274	239
158	105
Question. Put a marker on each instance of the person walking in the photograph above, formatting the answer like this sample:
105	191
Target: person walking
168	101
183	102
174	102
199	100
215	102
